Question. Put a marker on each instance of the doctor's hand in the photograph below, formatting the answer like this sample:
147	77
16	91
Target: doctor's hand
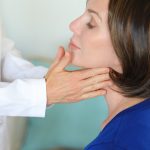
72	86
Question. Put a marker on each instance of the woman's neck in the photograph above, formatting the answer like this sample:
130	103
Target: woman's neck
117	103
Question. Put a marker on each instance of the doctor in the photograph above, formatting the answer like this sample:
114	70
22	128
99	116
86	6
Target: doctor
25	92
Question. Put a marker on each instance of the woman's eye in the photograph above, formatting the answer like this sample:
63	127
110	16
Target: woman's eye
90	26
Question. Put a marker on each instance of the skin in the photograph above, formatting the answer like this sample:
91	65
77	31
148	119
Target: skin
72	86
91	47
94	29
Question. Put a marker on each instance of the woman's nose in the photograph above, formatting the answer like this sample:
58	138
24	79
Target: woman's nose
75	26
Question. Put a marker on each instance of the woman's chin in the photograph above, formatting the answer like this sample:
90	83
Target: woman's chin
78	60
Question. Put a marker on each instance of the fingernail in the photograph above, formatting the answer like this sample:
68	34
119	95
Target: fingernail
60	48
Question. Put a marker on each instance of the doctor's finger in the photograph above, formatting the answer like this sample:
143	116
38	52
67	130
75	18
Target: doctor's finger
93	94
84	74
96	79
97	86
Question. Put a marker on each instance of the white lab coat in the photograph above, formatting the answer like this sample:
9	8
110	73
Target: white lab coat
22	88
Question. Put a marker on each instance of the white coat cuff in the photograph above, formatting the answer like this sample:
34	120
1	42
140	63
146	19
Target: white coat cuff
39	97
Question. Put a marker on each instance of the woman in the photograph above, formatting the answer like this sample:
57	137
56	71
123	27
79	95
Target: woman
116	34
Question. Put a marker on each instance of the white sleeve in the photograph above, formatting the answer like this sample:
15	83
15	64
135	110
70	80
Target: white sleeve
23	97
23	89
15	67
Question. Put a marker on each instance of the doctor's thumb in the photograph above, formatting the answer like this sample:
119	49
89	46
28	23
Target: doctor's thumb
59	56
65	61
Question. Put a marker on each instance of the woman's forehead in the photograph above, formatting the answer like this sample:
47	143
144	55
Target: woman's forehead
98	5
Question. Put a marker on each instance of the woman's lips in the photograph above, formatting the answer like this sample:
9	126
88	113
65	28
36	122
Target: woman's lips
73	46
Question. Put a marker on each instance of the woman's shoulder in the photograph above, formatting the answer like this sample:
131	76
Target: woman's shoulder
134	129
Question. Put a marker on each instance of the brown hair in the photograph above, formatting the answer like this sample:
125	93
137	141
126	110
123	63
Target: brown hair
129	25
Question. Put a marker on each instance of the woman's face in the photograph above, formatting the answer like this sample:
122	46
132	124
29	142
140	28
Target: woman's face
91	44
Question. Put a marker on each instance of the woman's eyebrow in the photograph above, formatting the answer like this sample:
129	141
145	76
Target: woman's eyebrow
93	11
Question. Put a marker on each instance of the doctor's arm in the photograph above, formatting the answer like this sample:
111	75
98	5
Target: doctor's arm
23	88
14	66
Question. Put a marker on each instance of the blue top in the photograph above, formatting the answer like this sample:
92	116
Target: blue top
128	130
